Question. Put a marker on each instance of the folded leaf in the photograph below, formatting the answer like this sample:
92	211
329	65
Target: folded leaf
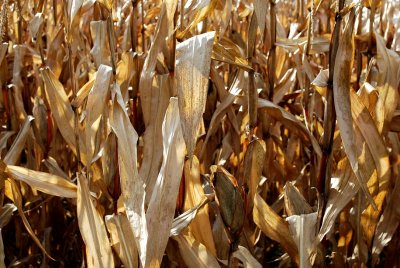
160	212
92	228
132	186
122	238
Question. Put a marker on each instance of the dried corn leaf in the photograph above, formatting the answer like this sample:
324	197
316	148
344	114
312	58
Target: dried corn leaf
92	228
295	203
148	70
41	129
200	227
3	50
106	3
73	8
388	63
6	213
182	221
171	6
62	111
254	160
18	85
388	221
4	136
54	168
18	145
273	226
319	44
344	187
100	50
380	156
322	79
193	58
160	213
132	186
285	85
122	239
222	107
244	255
17	199
225	18
291	122
96	102
35	25
55	55
44	182
200	15
303	229
125	72
83	92
260	8
152	152
194	253
341	91
227	51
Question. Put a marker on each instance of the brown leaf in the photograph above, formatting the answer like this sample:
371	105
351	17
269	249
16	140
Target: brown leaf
100	50
380	156
186	218
273	226
194	253
200	227
388	63
290	121
247	259
304	229
253	165
193	58
122	238
17	199
152	151
132	186
160	213
96	103
341	89
45	182
148	70
260	9
62	111
295	203
6	213
92	228
388	221
226	51
18	145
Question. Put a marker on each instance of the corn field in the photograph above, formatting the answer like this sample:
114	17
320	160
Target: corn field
199	133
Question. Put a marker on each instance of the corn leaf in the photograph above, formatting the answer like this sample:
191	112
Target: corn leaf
193	58
92	228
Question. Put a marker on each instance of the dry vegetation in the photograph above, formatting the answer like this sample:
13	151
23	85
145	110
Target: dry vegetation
199	133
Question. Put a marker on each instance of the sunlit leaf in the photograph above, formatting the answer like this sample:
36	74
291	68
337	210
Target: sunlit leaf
193	58
160	213
92	228
45	182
